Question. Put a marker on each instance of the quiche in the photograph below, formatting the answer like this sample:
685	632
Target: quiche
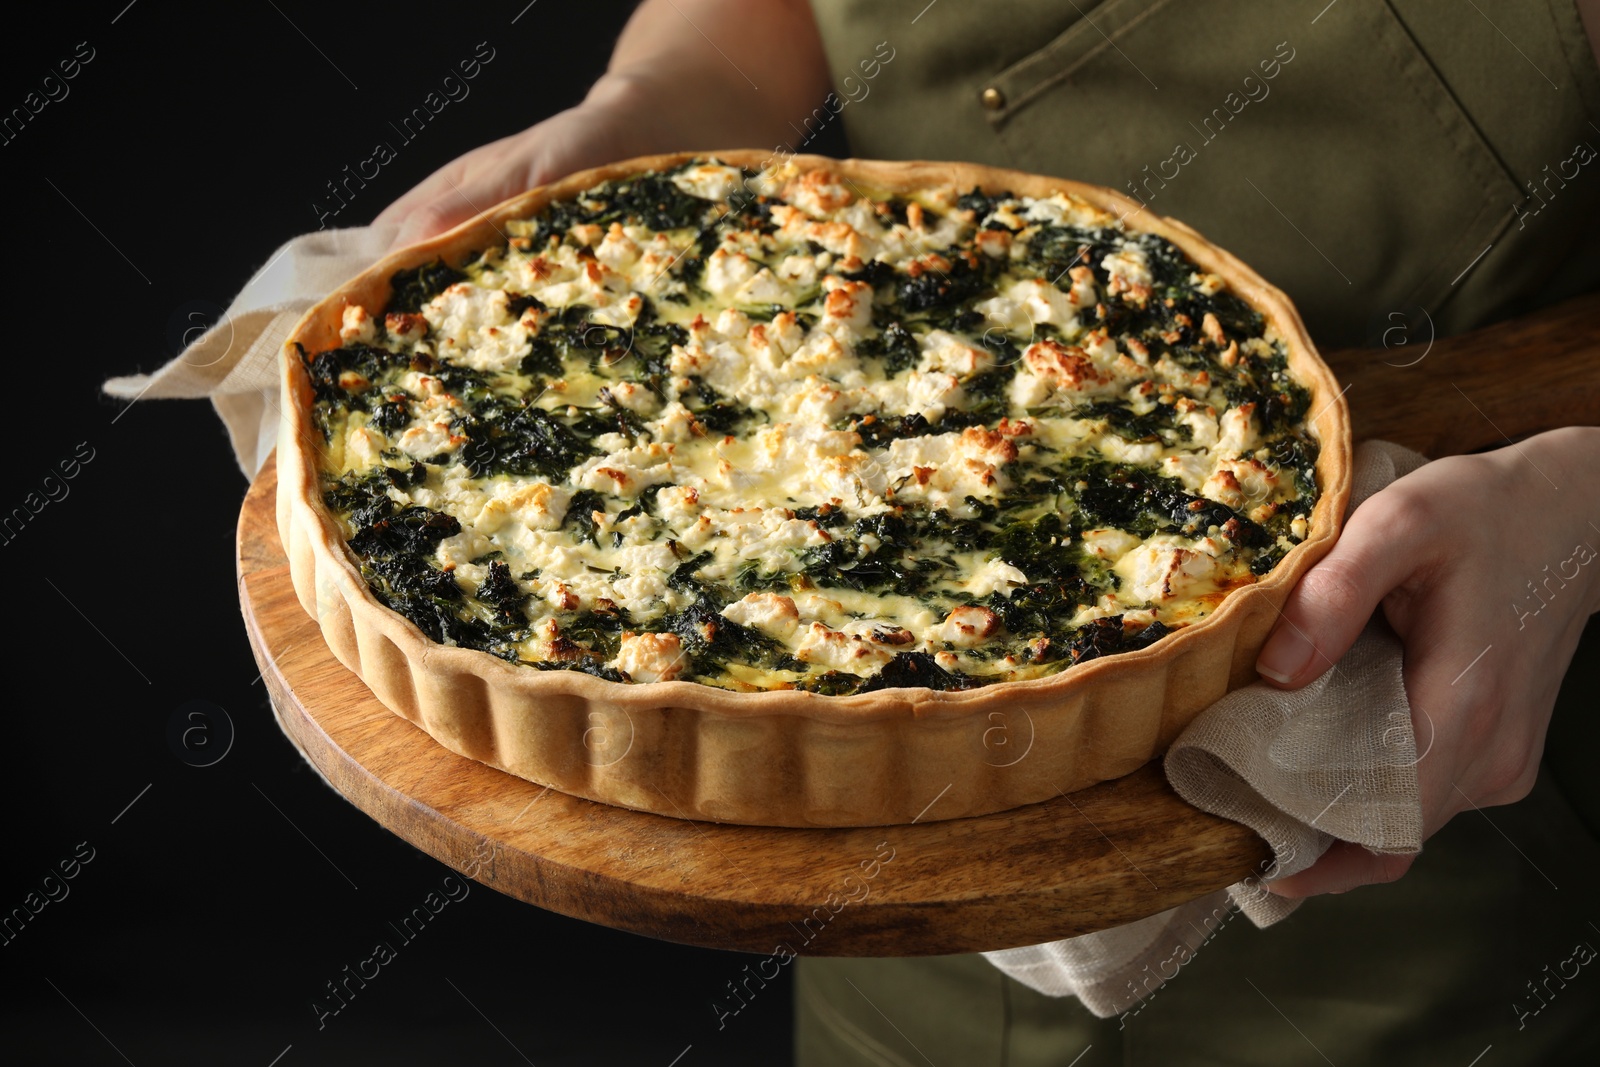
804	484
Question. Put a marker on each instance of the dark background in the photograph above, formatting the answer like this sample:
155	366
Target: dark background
187	150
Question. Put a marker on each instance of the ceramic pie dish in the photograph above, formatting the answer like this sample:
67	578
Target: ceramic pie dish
795	756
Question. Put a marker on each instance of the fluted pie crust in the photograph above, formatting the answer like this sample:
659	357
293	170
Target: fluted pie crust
794	758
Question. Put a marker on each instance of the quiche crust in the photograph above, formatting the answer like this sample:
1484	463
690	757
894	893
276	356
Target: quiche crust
794	758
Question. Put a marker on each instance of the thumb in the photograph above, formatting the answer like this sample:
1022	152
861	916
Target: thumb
1331	604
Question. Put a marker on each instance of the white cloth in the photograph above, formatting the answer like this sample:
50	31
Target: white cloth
1334	760
235	362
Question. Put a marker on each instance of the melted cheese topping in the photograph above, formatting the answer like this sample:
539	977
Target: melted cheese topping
818	437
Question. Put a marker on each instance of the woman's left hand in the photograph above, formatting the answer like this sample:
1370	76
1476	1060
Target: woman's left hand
1485	568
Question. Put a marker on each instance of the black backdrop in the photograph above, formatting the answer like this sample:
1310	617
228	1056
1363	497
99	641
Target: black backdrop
219	900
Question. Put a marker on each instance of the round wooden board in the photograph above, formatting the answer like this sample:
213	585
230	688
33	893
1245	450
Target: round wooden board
1101	857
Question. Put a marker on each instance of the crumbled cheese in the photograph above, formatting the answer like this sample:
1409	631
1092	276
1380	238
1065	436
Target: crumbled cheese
356	325
709	181
770	613
774	333
650	657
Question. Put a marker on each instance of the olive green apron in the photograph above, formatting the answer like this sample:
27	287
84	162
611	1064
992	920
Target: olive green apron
1381	157
1437	162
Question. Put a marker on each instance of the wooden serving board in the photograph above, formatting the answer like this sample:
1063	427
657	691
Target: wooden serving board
1477	390
1102	857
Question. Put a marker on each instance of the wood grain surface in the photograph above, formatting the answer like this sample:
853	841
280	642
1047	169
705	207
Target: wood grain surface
1477	390
1101	857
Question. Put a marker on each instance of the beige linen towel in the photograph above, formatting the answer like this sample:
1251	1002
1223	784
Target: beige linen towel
235	362
1333	760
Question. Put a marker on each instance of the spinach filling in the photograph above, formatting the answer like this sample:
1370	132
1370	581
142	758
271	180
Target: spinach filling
905	670
411	289
397	548
652	200
510	437
507	429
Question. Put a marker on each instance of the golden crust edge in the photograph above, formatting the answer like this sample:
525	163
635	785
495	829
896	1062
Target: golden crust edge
792	758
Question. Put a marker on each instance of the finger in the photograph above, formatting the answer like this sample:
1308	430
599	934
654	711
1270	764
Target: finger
454	202
1379	549
1343	867
463	172
426	192
429	221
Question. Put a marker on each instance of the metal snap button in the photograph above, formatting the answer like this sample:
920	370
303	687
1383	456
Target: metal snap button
993	98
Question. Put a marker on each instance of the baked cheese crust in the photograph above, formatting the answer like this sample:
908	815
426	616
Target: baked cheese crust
775	430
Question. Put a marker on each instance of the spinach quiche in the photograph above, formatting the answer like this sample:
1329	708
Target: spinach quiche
780	490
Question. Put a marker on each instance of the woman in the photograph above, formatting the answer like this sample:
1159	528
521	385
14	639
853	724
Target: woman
1383	164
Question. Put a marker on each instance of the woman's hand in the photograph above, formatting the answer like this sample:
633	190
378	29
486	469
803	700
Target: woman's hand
1486	568
588	135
